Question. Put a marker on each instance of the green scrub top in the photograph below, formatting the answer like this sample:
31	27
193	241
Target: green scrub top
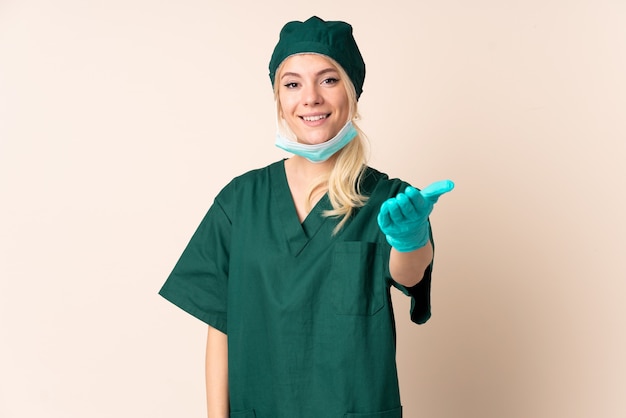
308	314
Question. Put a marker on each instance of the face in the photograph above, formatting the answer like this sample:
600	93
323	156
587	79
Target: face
312	97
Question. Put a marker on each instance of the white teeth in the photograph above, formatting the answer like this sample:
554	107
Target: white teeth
313	118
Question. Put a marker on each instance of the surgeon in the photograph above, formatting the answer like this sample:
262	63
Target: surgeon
291	267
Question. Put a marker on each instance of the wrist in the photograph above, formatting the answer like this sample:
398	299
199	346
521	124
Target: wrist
410	241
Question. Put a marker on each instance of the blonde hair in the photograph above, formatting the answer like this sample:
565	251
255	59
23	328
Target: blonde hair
343	182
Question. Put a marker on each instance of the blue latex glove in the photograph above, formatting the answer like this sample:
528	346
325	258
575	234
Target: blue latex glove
404	218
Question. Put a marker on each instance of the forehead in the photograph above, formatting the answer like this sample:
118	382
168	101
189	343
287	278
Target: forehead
306	63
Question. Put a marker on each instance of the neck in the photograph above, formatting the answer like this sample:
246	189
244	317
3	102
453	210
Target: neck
302	175
306	170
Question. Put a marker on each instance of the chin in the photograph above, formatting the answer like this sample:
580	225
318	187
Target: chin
315	141
311	141
319	139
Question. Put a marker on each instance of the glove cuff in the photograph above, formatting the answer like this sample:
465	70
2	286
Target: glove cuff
417	240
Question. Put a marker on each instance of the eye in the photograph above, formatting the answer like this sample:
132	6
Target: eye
330	81
291	85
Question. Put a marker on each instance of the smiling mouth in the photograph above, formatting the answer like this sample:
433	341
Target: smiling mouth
314	118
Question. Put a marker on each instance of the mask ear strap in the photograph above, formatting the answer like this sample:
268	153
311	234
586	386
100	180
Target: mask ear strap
283	130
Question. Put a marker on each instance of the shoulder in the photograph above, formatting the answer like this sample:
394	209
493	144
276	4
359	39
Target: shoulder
247	182
259	174
255	175
377	184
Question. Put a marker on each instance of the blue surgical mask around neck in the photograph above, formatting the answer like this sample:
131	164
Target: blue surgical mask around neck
318	153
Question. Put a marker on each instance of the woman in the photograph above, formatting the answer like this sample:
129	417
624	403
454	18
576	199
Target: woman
294	262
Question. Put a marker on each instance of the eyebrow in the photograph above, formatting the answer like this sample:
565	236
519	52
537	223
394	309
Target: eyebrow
319	73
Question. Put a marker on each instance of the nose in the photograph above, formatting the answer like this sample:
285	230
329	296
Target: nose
311	95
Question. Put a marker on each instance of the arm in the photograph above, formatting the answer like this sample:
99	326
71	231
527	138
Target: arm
404	221
217	374
407	268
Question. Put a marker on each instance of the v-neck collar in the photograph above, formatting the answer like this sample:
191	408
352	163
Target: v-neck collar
297	234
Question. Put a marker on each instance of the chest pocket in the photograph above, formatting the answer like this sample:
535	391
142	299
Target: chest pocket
358	285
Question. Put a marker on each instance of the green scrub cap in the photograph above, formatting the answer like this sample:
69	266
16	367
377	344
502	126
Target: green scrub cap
333	39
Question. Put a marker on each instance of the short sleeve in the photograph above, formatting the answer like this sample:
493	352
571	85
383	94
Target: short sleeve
198	283
420	297
420	294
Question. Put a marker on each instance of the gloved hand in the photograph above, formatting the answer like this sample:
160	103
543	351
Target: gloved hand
404	218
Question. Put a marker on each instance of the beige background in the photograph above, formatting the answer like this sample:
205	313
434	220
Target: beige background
121	119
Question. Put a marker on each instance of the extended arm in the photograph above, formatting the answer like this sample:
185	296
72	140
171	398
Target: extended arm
407	268
404	221
217	374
